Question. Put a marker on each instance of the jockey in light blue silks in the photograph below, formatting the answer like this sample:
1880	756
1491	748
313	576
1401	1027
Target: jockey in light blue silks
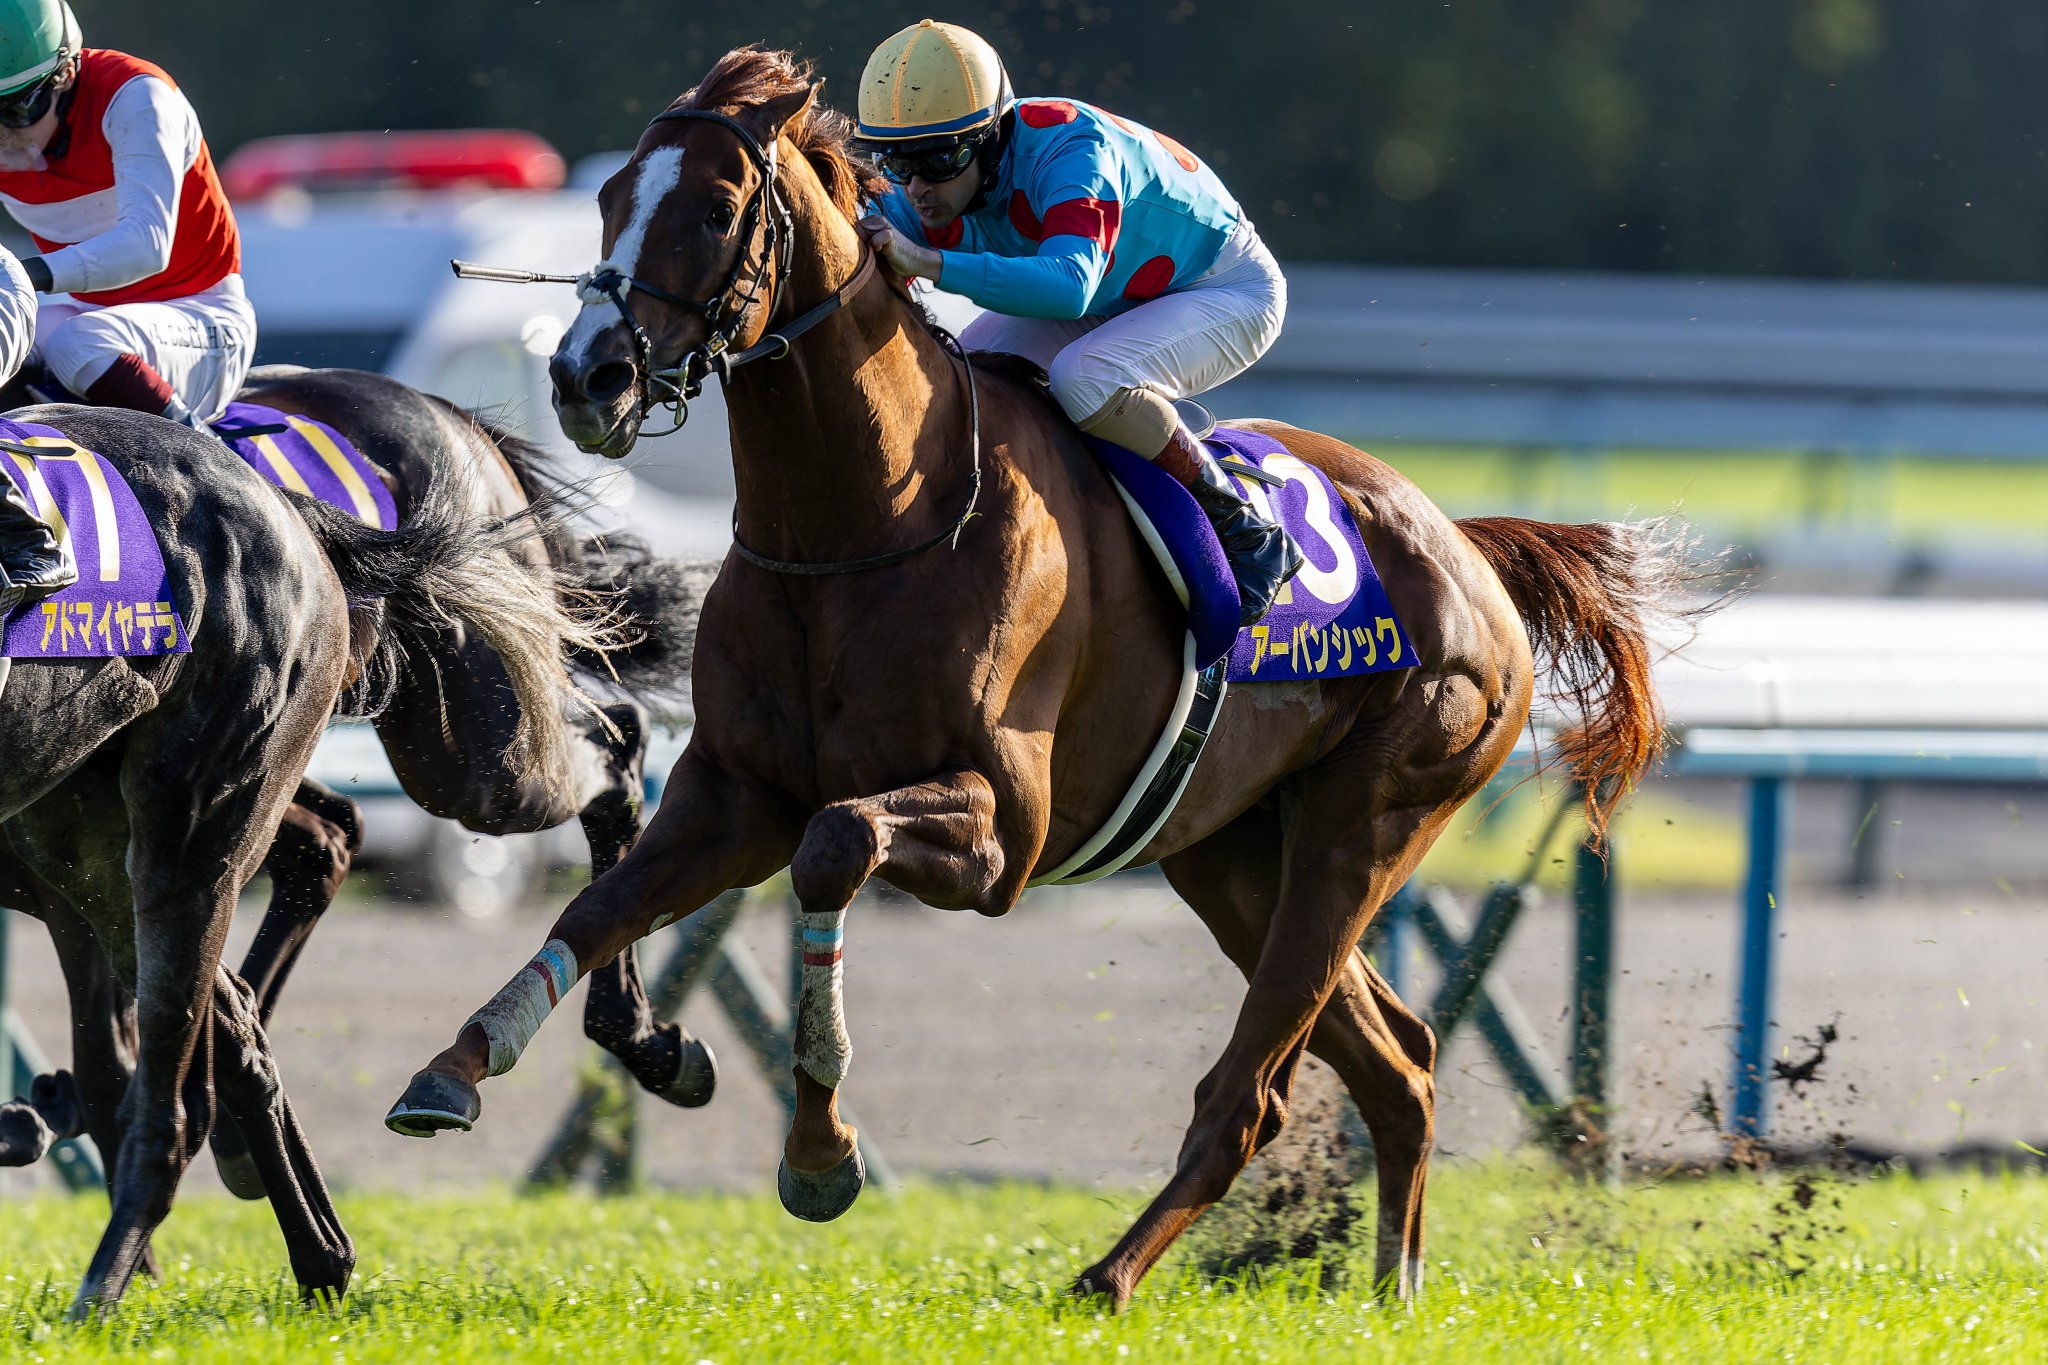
1106	252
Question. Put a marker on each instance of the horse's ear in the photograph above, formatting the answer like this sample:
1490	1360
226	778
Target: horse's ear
770	117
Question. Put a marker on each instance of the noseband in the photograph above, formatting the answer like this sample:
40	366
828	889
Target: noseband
725	310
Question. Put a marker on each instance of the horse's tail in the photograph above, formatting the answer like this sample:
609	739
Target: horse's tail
1592	598
445	568
657	601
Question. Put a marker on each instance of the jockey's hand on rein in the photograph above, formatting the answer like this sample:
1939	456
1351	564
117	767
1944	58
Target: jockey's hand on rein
905	258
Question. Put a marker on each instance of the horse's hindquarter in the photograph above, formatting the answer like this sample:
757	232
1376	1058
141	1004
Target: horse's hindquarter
250	584
1421	726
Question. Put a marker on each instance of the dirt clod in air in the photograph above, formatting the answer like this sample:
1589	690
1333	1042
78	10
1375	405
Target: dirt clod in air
1807	1071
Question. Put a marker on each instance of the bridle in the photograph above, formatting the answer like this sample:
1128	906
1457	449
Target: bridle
674	387
725	310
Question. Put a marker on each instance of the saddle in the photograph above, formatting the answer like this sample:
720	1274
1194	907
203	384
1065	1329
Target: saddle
308	457
1333	620
290	450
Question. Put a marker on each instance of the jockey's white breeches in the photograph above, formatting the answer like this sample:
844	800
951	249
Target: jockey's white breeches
201	344
1179	344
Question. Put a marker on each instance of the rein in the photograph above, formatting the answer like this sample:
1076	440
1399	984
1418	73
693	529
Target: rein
685	381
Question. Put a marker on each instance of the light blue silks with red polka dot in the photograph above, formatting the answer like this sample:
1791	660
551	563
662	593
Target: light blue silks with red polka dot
1090	215
1333	620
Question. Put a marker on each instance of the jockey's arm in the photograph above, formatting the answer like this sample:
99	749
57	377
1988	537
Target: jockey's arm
1058	282
155	137
1074	191
17	316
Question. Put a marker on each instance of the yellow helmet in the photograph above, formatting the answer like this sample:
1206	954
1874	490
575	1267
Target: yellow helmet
932	81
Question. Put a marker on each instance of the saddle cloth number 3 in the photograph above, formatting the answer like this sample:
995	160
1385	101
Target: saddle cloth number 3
1335	585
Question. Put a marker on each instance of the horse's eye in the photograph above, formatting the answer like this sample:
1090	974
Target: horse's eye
720	219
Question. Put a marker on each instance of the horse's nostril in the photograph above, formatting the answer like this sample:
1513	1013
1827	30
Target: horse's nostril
608	381
566	377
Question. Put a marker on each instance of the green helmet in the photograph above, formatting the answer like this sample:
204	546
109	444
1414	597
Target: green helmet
34	36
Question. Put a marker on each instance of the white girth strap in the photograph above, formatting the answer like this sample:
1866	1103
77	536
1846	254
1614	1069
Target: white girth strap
1183	704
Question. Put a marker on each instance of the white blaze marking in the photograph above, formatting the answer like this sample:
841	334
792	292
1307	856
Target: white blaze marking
660	170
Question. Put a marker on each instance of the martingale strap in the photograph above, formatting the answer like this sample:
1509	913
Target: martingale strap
883	561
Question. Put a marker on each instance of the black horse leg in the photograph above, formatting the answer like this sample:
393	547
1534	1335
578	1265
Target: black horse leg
316	843
187	862
54	1109
617	1015
245	1077
103	1044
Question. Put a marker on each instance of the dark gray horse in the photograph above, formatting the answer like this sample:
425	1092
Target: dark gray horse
138	796
454	731
468	702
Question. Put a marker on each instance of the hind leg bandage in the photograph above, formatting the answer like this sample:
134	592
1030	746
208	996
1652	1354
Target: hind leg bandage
515	1014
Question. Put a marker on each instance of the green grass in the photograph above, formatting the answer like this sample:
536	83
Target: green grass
1660	842
1527	1266
1735	493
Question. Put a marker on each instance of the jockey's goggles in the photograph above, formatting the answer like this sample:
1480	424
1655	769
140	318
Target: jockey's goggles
20	108
933	165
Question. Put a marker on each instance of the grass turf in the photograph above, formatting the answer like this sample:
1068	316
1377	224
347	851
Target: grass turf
1526	1265
1741	493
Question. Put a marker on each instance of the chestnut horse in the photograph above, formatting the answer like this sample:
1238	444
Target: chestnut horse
959	719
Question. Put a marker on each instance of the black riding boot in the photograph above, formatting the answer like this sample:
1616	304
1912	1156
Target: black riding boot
33	562
1262	555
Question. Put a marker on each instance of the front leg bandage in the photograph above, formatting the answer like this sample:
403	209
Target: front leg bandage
822	1047
515	1014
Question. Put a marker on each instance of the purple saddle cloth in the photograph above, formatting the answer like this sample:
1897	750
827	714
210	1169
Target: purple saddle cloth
122	603
308	457
1333	620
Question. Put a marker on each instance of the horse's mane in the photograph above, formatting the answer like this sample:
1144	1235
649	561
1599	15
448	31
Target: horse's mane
750	76
747	77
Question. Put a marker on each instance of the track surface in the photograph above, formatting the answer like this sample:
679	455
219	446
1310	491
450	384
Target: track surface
1065	1041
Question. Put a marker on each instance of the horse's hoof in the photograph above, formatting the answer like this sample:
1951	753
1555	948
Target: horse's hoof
327	1285
24	1138
696	1077
1097	1286
434	1102
231	1159
821	1196
238	1172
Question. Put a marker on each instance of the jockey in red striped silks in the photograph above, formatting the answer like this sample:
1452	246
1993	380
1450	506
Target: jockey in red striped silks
103	161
